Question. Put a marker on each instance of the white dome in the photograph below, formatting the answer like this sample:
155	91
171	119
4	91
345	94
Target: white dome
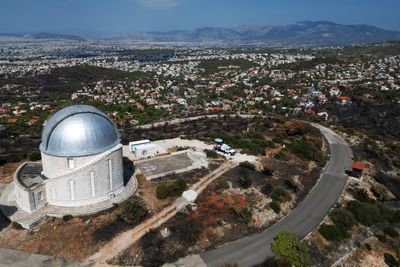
79	130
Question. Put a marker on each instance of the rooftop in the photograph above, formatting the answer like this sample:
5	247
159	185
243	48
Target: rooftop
358	165
30	175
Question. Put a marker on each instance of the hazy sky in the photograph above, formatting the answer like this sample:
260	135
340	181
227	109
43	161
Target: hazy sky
113	17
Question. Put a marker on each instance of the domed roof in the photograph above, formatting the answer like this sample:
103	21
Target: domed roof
78	130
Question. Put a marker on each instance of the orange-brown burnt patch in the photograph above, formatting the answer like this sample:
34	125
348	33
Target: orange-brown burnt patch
214	208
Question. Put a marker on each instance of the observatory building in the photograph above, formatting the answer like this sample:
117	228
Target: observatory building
81	162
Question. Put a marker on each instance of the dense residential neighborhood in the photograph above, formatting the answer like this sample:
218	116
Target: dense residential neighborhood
179	80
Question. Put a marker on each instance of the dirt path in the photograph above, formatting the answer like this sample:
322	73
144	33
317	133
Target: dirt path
123	240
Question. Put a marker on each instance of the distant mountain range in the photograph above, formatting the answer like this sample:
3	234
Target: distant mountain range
300	33
44	35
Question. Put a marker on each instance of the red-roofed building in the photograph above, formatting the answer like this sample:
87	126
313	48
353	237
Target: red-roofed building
343	100
357	169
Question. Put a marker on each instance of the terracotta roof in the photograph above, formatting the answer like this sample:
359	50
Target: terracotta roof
358	165
344	97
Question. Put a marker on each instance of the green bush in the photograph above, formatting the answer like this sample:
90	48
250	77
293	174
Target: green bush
247	165
342	218
366	213
244	181
174	189
267	172
244	215
360	195
381	237
390	231
289	184
162	192
380	191
280	195
132	211
177	188
332	232
212	154
287	246
275	206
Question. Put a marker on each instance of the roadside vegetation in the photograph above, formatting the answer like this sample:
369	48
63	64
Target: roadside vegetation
288	248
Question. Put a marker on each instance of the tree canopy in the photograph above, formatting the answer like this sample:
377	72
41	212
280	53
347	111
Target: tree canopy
287	246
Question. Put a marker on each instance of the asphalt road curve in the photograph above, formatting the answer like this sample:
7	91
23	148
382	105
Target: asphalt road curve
302	220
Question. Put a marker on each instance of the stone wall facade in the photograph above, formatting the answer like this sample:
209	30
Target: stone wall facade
29	199
93	179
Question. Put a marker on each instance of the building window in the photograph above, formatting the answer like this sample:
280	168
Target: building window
39	196
71	163
92	186
72	189
53	192
110	174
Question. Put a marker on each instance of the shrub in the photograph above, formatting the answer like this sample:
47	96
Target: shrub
332	232
132	211
267	189
366	213
380	191
177	188
67	217
182	148
162	191
212	154
390	231
274	262
342	218
107	231
360	195
221	185
291	185
174	189
381	237
34	156
275	206
151	239
280	195
188	231
368	246
244	215
247	165
16	226
267	172
294	127
244	181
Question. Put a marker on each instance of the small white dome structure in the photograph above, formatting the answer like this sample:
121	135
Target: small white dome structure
81	162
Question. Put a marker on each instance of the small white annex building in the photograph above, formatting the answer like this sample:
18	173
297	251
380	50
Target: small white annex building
143	149
81	162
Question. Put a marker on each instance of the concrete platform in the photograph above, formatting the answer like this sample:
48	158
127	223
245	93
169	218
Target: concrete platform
10	257
27	220
178	162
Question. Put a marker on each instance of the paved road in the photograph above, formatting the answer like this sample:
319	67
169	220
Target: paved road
302	220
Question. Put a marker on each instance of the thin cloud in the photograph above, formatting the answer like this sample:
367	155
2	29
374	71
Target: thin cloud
158	3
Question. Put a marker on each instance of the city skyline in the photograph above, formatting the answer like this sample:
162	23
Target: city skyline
111	18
